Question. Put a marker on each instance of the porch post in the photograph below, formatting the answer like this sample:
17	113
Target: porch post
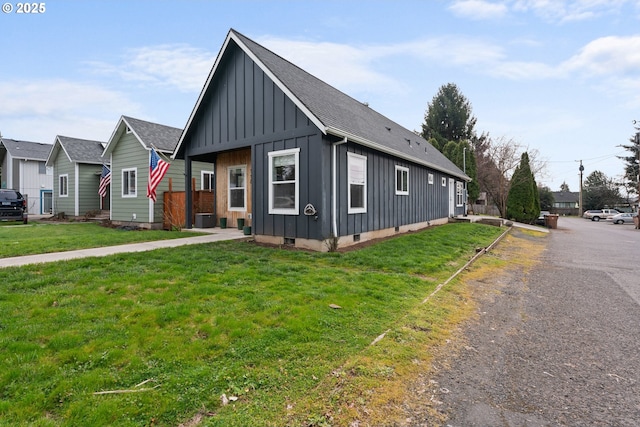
188	196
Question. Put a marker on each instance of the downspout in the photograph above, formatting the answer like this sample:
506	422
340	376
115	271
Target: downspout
334	185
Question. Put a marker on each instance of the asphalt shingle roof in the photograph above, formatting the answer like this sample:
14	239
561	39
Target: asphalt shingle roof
26	149
82	150
164	138
343	115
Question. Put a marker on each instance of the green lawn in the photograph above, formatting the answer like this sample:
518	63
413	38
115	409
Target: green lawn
43	237
196	322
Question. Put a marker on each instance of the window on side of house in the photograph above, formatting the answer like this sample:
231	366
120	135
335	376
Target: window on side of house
431	178
402	181
237	193
444	181
129	182
459	193
284	182
206	180
357	183
63	185
42	168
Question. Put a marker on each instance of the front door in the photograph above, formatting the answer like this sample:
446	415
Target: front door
46	202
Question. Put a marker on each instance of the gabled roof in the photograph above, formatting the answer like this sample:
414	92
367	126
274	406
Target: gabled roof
163	138
565	196
26	150
332	111
77	150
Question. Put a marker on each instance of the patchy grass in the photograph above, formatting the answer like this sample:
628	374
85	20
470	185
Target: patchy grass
190	324
41	237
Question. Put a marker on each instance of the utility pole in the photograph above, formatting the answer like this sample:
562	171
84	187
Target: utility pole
581	169
464	169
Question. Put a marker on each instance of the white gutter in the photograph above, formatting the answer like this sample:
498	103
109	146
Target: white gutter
385	149
334	185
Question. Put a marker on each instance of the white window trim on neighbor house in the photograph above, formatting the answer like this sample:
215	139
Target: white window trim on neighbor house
242	208
63	185
353	160
274	182
402	184
459	194
128	193
206	177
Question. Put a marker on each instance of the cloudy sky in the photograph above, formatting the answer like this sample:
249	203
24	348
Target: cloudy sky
559	77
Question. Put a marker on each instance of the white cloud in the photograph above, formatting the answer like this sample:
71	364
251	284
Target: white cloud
177	65
479	9
570	10
348	68
40	110
607	56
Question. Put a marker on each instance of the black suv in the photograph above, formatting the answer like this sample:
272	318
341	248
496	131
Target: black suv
13	207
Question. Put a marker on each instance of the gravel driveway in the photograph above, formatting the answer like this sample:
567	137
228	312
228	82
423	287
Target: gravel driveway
557	344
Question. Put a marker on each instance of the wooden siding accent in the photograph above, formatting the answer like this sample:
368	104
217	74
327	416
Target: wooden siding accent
174	208
223	162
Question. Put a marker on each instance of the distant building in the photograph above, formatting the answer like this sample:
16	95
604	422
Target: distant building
566	202
23	168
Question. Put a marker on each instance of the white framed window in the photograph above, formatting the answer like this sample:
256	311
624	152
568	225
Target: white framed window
444	181
459	193
357	183
431	178
237	188
402	181
129	182
284	182
128	130
206	180
63	185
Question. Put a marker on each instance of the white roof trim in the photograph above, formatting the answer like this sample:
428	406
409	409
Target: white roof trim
232	36
109	149
385	149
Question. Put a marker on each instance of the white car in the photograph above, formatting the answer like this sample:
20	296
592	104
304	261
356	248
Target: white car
622	218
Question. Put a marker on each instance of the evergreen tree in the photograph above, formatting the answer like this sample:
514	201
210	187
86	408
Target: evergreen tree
448	118
600	191
546	198
523	201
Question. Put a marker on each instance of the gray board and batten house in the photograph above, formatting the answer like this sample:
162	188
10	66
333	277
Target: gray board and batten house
302	162
128	152
23	168
77	165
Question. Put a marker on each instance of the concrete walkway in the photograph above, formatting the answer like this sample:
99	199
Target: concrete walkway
214	235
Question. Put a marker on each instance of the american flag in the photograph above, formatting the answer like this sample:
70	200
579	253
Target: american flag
105	180
157	169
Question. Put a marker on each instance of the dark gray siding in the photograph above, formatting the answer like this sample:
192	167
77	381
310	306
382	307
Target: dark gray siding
314	188
244	108
385	209
241	107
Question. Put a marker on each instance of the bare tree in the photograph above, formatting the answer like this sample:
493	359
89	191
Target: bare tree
496	161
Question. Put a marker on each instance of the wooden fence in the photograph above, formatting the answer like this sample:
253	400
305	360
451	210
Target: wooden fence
174	213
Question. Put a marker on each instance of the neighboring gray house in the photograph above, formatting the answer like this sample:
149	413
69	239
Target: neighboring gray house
304	163
566	202
128	152
77	165
24	169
